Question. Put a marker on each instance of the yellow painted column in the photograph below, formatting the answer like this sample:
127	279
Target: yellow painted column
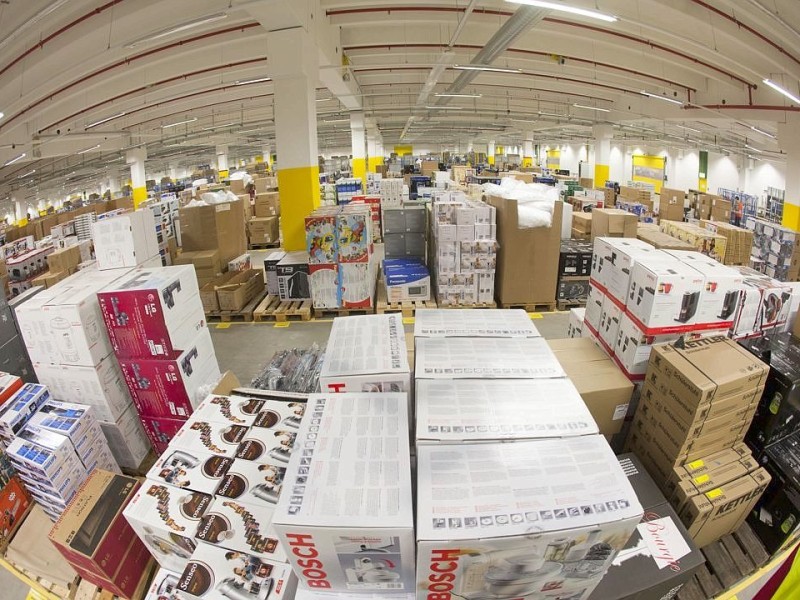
359	169
300	195
602	154
788	134
222	162
373	163
139	196
600	175
490	153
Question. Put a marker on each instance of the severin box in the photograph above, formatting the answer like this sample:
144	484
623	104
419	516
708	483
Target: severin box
613	260
366	353
633	346
552	521
350	533
153	312
474	323
169	388
476	410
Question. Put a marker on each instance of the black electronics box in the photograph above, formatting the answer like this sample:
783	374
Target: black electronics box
573	289
575	259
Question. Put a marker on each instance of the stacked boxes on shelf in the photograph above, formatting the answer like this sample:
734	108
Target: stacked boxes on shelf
347	187
696	406
83	225
71	353
405	232
574	268
158	331
391	193
465	250
342	269
702	240
739	241
775	251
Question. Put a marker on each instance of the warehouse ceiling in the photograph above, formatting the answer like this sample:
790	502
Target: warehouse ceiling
81	81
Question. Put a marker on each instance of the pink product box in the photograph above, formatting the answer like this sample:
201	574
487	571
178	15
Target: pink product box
153	312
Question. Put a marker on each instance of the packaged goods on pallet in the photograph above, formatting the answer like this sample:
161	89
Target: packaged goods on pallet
703	240
406	279
218	227
764	304
613	222
405	232
660	240
296	370
271	271
739	241
775	251
391	192
499	323
581	226
671	204
126	240
374	205
292	273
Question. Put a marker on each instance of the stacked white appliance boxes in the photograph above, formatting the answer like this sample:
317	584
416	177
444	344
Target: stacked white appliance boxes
764	304
71	353
83	225
493	464
391	192
126	240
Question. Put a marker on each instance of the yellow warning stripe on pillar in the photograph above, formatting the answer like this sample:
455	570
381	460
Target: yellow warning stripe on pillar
139	196
601	175
791	216
299	197
360	169
527	161
702	185
490	160
373	163
223	174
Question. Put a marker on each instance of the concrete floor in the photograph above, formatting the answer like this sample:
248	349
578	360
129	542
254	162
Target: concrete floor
245	348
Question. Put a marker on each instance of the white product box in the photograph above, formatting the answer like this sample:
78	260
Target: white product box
196	471
723	290
493	323
153	312
18	409
126	439
633	346
765	303
357	524
366	354
166	518
486	287
575	325
199	435
485	358
236	410
63	325
75	421
240	263
612	261
312	595
102	387
241	527
271	440
99	457
594	308
164	586
45	456
664	296
255	483
609	322
218	574
126	240
474	410
446	234
465	233
556	514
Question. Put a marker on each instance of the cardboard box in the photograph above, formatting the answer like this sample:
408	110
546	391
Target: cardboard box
161	430
376	529
208	292
264	230
267	204
165	518
671	204
612	264
240	290
153	312
357	283
196	471
218	573
610	318
453	411
688	487
215	227
14	501
237	410
575	325
169	388
126	439
271	271
254	483
613	222
366	353
527	261
764	304
126	240
633	347
499	323
575	259
66	260
603	387
208	436
582	225
293	276
660	240
16	411
500	546
207	263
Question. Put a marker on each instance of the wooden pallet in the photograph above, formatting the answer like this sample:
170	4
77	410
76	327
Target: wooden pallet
271	246
728	561
89	591
535	308
567	304
272	308
407	307
332	313
244	315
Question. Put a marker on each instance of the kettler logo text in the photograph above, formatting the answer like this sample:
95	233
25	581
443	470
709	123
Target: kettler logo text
308	560
444	564
710	341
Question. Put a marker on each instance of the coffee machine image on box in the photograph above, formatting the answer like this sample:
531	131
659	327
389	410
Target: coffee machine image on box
688	306
729	304
252	580
168	589
169	293
177	545
186	362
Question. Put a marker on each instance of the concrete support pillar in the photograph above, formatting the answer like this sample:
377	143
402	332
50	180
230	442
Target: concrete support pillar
602	153
222	162
135	159
374	153
527	150
359	146
294	61
20	211
490	153
789	142
266	154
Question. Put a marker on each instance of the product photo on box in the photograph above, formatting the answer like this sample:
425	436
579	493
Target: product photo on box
196	471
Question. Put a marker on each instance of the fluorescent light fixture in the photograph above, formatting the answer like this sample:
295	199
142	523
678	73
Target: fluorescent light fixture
762	132
659	97
329	121
15	159
753	148
567	9
458	95
106	120
2	115
85	150
783	91
445	107
178	29
218	127
179	123
486	68
591	108
323	99
31	172
687	128
249	81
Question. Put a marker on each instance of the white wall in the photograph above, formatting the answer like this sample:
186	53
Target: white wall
763	175
723	172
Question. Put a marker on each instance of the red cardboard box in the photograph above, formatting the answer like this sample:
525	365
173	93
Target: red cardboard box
14	501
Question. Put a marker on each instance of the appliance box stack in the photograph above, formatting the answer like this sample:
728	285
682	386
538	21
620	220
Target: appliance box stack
405	232
702	240
775	250
574	268
764	304
157	328
391	192
406	279
126	240
14	356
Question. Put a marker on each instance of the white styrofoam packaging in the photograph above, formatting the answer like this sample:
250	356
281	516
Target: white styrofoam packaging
102	387
721	294
366	354
664	296
632	348
476	410
126	240
236	410
347	502
126	439
500	323
764	303
196	471
609	322
18	409
218	574
575	325
612	261
166	518
529	520
485	358
63	325
241	527
254	483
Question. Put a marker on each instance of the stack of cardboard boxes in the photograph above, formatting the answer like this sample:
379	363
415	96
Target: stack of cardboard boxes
581	226
650	233
671	204
158	331
574	268
126	240
405	232
263	226
696	406
775	251
373	203
391	193
613	222
739	241
764	304
702	240
24	261
215	227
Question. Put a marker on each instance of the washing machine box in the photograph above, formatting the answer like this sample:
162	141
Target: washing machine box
236	410
499	323
353	531
485	358
664	295
219	574
166	518
63	325
172	388
478	410
195	471
153	313
520	520
126	240
366	354
20	408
